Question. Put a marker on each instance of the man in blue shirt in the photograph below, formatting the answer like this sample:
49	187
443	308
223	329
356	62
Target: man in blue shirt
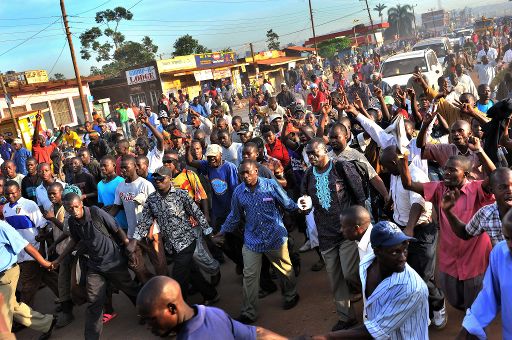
496	294
20	156
161	305
197	108
256	201
5	148
11	244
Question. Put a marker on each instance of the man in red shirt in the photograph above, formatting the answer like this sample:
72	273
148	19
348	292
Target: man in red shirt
316	98
40	150
275	148
462	263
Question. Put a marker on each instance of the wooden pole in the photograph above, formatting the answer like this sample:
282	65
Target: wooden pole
73	59
14	121
313	27
254	63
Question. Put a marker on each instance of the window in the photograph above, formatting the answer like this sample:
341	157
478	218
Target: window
402	67
15	110
432	60
46	115
61	112
138	98
80	116
438	48
154	97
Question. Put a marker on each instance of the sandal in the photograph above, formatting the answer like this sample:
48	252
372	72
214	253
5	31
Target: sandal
108	317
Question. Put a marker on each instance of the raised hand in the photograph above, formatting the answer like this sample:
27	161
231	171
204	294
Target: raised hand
449	199
474	144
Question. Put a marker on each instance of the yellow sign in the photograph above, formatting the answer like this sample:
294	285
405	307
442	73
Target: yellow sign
176	64
36	76
27	123
266	55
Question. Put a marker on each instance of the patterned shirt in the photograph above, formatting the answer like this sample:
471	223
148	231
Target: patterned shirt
172	213
362	90
264	228
487	219
398	308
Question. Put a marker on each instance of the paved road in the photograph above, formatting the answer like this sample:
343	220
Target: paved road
314	314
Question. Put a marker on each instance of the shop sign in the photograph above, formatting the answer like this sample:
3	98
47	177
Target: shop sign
210	60
141	75
176	64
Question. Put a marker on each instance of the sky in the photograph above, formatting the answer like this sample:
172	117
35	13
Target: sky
32	33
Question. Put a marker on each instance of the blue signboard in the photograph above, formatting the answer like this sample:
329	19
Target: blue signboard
209	60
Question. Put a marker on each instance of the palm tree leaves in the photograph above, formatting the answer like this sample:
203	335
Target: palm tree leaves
401	21
380	8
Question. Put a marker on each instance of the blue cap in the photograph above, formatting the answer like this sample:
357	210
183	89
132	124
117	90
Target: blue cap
313	86
387	234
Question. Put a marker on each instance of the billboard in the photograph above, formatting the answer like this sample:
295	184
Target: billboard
177	63
36	76
210	60
141	75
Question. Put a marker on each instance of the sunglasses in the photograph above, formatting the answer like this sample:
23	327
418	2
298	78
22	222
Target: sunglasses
159	178
167	161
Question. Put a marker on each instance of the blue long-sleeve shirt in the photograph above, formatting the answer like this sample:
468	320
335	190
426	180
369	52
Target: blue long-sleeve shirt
20	160
495	296
264	228
199	109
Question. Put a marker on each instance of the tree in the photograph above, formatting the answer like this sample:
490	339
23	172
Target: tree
401	21
186	45
329	48
58	76
380	8
272	40
110	45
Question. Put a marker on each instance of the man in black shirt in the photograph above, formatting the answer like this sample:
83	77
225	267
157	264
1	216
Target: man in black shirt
31	181
104	242
92	165
85	182
285	97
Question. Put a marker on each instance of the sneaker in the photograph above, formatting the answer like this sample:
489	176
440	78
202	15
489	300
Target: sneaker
341	325
318	266
245	319
305	247
440	318
213	300
64	319
48	334
264	293
292	303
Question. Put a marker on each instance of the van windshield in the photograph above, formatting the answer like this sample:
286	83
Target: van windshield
401	67
438	48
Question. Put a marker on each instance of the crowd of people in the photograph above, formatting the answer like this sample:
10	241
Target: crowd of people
387	187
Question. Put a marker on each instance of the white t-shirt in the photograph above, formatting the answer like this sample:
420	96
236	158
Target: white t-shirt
232	153
155	157
132	197
364	246
26	218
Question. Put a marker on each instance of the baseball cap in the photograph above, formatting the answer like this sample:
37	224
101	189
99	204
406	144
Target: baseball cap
17	141
162	172
299	108
313	86
274	116
387	234
213	150
283	84
162	114
388	100
246	127
375	75
176	134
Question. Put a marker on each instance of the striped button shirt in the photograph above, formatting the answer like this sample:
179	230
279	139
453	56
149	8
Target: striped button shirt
398	308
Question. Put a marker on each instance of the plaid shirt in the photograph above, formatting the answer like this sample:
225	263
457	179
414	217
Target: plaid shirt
487	219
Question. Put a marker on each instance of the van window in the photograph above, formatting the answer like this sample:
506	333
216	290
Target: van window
440	49
432	60
401	67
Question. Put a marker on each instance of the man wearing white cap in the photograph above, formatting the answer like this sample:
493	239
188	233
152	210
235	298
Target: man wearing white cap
20	156
377	82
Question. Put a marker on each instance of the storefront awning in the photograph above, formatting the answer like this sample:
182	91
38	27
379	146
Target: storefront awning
279	61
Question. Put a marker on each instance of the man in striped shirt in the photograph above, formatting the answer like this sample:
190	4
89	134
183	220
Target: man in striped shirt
395	296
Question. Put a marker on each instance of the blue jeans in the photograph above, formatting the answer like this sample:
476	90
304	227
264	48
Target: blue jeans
126	129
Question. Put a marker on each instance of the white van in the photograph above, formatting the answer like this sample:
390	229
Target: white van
397	69
441	46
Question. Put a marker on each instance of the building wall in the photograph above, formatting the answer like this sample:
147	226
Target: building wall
55	100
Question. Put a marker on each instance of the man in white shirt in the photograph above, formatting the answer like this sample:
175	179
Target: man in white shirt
198	123
486	71
395	297
466	81
267	87
490	52
231	152
356	225
414	216
272	108
154	155
24	216
131	194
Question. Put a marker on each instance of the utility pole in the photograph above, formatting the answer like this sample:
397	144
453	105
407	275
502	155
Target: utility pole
14	121
75	66
313	26
371	22
414	19
254	63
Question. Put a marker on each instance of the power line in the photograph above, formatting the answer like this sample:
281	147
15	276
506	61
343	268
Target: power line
135	4
42	36
92	9
29	38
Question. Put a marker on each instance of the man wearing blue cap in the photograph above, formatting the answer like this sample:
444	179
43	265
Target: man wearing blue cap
395	296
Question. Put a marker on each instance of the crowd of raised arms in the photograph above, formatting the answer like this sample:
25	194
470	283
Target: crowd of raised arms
402	195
